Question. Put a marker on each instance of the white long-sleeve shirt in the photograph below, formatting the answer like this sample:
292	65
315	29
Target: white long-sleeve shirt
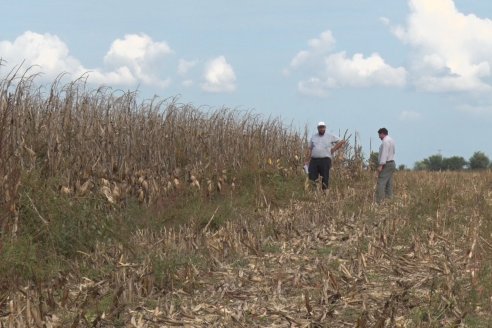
386	150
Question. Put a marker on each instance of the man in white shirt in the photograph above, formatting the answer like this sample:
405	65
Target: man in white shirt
320	149
386	167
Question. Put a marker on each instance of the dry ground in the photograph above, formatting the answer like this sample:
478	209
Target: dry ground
333	260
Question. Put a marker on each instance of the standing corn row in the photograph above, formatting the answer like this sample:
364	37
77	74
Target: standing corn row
83	137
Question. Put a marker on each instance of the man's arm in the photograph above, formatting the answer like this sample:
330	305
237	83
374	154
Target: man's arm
383	156
338	145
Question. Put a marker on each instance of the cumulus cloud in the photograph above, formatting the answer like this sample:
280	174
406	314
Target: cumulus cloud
451	51
42	52
219	76
360	71
317	47
331	70
141	56
129	61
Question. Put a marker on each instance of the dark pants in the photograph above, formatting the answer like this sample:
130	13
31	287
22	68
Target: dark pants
320	166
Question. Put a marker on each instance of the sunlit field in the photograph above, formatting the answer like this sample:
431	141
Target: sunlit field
117	212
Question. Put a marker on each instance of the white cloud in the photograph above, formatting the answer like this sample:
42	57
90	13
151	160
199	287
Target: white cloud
362	72
184	66
219	76
317	48
410	116
129	61
120	76
449	51
43	52
331	70
140	55
452	51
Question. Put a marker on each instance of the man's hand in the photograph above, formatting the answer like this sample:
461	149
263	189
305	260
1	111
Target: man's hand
379	170
338	145
306	167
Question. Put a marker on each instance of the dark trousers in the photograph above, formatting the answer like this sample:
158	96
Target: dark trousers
320	166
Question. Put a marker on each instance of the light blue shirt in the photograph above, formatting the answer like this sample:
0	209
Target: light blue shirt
321	145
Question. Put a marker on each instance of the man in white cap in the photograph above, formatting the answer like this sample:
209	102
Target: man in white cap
322	146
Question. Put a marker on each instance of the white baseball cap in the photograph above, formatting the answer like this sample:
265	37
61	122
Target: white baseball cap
321	124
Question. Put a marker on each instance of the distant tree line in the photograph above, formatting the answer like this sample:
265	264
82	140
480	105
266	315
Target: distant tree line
478	161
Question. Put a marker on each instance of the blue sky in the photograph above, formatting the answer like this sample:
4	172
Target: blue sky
422	69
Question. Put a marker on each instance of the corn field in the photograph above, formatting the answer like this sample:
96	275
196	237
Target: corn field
76	252
104	140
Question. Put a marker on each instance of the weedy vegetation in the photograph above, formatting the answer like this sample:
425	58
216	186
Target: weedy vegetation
120	213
